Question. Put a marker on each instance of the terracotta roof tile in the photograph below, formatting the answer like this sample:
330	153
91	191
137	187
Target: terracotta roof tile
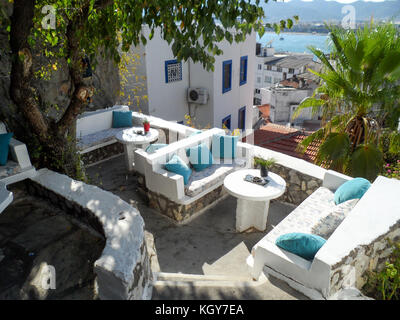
285	140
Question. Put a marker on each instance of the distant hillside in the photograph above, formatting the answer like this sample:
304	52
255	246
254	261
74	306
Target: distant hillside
321	10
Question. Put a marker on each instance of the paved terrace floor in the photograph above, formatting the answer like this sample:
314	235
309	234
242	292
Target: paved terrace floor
207	245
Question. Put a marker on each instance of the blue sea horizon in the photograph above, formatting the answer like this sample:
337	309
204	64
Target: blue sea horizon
295	42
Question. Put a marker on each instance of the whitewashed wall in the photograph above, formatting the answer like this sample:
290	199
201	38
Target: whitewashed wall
230	102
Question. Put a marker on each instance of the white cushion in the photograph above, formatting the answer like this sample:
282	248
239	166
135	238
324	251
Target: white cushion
333	218
93	139
204	179
306	215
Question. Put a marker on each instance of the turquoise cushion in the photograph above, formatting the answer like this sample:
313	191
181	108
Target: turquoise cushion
122	119
154	147
302	244
352	189
177	165
224	147
4	143
200	157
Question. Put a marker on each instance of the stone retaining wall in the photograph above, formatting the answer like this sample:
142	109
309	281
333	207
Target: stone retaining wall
353	269
103	153
82	214
298	185
123	270
176	211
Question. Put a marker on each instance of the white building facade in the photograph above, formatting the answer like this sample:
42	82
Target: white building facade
272	68
283	103
229	88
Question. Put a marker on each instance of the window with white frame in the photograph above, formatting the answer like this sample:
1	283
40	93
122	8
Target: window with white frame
268	79
258	79
173	71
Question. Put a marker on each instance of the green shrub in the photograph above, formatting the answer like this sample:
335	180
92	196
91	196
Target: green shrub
385	285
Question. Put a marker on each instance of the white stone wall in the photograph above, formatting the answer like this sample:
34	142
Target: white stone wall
123	270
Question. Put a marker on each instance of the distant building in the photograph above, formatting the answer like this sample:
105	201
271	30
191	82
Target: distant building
224	96
284	98
272	68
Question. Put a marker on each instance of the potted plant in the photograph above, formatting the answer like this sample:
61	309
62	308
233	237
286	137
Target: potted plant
146	125
265	165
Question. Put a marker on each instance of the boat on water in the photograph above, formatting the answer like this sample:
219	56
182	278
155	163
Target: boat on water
281	38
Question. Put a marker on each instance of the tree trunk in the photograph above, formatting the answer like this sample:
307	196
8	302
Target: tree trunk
21	91
54	142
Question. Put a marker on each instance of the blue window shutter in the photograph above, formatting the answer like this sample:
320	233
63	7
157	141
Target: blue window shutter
226	81
243	70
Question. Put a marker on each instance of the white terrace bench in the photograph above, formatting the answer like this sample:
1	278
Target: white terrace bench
371	217
94	129
18	166
183	200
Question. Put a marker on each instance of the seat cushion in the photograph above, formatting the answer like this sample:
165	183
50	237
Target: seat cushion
302	244
96	138
352	189
4	146
9	169
122	119
333	218
306	215
177	165
209	177
200	157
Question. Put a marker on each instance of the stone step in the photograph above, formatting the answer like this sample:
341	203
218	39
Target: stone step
178	286
184	278
170	286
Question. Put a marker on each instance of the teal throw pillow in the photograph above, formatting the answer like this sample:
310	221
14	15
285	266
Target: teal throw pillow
4	143
200	157
154	147
302	244
122	119
177	165
224	147
352	189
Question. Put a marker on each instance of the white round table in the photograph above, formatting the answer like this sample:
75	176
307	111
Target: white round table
132	140
253	199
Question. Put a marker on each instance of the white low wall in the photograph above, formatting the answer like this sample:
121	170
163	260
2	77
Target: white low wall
94	121
6	197
360	241
123	270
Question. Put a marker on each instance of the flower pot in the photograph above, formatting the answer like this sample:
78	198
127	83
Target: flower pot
146	127
263	171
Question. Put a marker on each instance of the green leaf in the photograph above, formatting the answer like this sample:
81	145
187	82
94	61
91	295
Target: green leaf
366	162
335	148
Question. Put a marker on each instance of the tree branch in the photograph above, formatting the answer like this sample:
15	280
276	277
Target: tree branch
21	91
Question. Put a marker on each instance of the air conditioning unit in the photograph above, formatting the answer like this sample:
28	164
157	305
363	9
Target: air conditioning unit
197	95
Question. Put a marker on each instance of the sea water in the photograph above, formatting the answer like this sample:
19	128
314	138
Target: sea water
295	42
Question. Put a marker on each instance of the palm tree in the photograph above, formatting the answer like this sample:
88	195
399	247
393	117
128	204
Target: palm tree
358	98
